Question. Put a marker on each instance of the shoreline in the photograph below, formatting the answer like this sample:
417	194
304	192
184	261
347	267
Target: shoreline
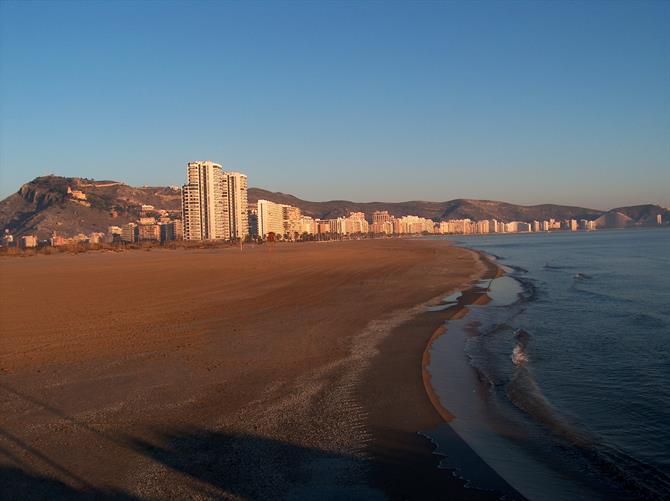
470	295
397	422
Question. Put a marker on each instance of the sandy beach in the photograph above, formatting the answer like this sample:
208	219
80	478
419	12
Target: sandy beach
285	371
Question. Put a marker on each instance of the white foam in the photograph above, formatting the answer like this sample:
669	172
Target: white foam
519	356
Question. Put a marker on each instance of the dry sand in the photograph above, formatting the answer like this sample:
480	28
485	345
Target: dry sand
286	371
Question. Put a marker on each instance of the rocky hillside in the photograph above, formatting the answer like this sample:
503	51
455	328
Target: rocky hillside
75	205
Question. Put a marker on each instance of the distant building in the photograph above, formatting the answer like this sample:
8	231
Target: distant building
129	233
322	226
292	220
113	234
204	202
57	240
166	232
518	226
96	238
238	224
381	216
355	222
170	230
413	225
382	222
270	218
28	241
214	203
483	226
308	225
178	226
659	219
148	232
252	219
76	194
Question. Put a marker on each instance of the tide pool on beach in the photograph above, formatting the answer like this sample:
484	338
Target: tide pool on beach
559	383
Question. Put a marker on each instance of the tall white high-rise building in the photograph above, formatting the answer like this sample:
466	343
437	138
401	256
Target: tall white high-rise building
270	218
205	202
238	221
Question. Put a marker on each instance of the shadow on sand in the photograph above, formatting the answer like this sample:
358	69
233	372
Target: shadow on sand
212	464
16	484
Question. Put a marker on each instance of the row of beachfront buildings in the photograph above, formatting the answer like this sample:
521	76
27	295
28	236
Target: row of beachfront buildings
215	206
288	221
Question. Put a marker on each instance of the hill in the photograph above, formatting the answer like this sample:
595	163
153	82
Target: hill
614	219
643	214
44	205
70	205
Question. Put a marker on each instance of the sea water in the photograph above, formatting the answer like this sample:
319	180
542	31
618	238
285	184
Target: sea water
562	382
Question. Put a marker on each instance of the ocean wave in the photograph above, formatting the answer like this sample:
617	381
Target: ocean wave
548	266
518	269
529	289
524	392
601	295
640	480
519	355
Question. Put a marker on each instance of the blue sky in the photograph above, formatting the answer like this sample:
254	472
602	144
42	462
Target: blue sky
527	102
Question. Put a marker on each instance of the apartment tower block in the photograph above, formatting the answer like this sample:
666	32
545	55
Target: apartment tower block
205	203
238	221
270	218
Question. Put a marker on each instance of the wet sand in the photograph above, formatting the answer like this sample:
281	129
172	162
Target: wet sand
410	404
286	371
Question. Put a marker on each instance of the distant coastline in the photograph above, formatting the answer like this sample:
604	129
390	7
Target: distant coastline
64	210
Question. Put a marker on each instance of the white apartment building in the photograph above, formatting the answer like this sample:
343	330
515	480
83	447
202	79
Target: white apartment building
355	222
270	218
238	221
205	203
291	216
